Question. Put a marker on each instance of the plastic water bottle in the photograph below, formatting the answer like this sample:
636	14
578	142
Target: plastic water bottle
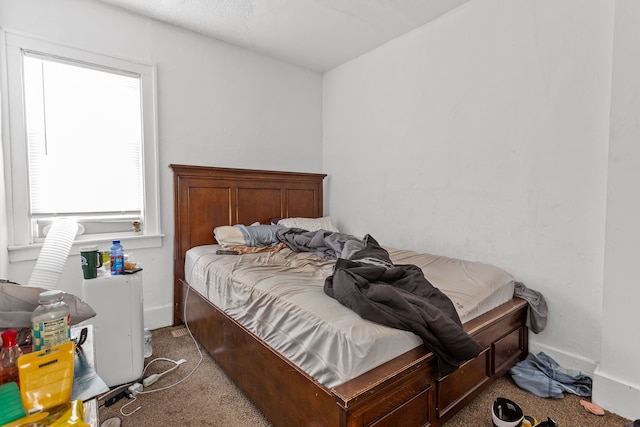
148	349
50	321
117	258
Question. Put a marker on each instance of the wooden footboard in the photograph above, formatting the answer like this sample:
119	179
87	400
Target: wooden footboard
406	391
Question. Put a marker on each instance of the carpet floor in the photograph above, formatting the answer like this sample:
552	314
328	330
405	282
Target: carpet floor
206	397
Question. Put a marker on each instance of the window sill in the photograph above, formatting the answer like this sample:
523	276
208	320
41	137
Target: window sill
130	241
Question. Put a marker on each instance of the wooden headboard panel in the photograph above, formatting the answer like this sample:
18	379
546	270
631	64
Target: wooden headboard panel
206	197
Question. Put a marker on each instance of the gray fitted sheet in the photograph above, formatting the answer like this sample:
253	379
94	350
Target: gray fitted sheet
279	297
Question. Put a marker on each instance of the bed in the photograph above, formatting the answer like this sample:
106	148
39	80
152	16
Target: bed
406	390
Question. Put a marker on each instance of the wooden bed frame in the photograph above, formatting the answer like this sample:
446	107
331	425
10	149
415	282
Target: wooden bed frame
406	391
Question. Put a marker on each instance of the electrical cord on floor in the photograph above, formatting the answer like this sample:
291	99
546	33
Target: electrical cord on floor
137	388
153	378
113	395
179	362
133	399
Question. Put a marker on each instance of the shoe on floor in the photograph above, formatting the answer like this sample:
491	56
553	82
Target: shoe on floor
111	422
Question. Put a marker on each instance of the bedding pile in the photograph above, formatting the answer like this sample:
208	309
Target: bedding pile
366	281
382	301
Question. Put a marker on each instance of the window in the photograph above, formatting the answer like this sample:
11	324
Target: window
82	142
84	132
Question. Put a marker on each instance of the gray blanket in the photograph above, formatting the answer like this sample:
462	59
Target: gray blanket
537	312
366	281
325	244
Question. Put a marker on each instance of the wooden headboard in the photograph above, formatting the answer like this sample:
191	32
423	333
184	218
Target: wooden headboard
206	197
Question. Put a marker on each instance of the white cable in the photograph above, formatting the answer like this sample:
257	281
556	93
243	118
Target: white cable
177	364
133	399
151	379
164	358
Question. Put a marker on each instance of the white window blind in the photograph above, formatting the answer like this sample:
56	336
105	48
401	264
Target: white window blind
84	135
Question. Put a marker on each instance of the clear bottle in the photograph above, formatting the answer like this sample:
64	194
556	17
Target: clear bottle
9	357
148	348
50	321
117	258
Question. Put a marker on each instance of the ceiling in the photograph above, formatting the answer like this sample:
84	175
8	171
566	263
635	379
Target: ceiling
315	34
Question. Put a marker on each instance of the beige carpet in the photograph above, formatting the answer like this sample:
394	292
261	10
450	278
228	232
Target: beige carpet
208	398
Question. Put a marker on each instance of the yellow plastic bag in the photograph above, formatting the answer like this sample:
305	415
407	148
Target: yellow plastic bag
74	416
46	377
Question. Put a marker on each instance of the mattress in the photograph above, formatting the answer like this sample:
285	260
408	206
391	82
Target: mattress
279	297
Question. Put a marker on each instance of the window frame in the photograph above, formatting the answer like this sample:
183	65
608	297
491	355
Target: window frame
21	242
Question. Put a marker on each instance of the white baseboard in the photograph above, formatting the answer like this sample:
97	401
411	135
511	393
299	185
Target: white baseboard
615	395
610	392
569	361
158	317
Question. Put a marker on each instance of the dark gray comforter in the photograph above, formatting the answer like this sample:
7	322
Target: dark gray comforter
325	244
394	295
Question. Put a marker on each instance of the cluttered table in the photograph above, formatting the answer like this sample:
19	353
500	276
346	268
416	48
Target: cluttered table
47	374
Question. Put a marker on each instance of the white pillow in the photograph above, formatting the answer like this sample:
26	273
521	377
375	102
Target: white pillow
309	224
228	235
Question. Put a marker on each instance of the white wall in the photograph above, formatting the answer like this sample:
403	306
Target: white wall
217	105
617	379
484	135
4	254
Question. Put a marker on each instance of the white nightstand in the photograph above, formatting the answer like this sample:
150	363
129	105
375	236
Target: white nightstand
118	326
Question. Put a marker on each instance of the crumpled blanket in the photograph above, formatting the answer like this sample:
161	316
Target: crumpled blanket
537	311
401	297
541	375
325	244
